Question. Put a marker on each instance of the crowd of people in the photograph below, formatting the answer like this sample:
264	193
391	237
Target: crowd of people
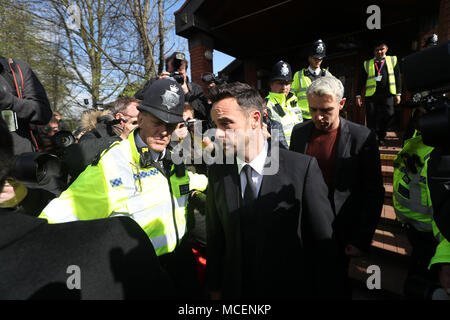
139	223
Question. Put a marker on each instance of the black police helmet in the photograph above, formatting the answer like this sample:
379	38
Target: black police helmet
318	50
281	71
164	99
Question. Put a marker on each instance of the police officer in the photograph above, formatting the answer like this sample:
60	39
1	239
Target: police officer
413	208
381	78
281	103
304	77
137	178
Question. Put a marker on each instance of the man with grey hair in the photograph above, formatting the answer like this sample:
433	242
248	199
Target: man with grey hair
349	159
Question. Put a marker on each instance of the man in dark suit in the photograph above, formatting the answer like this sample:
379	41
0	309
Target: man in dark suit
349	159
269	232
101	259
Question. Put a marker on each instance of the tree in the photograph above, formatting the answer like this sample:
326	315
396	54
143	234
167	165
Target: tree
22	37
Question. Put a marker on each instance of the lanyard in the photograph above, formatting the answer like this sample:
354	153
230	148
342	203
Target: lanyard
379	70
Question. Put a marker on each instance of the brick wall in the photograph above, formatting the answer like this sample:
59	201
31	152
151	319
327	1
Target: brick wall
199	64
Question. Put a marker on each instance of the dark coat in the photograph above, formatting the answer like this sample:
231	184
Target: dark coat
78	156
115	257
295	251
34	108
359	193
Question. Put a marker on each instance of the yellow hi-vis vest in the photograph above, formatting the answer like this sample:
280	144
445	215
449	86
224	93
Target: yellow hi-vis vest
411	197
371	84
442	253
292	113
299	86
119	186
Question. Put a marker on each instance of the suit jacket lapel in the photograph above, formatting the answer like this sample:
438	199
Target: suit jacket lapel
344	143
304	138
232	188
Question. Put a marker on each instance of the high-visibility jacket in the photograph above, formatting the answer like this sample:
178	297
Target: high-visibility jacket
290	114
299	86
118	186
411	197
442	254
371	84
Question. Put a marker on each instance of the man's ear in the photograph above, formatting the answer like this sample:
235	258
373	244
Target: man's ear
118	115
341	103
255	117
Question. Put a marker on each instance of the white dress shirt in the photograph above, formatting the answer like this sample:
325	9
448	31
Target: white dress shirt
316	72
257	165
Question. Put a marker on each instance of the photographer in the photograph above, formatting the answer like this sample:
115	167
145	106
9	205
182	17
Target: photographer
176	68
102	129
22	93
427	74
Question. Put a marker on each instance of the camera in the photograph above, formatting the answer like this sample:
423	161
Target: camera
427	74
209	78
62	139
177	60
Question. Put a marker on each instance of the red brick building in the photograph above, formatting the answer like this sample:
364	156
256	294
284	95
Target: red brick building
260	33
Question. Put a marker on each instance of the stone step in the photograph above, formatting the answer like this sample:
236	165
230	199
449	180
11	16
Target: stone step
387	172
388	191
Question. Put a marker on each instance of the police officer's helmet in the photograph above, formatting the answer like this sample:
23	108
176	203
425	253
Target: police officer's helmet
281	71
318	50
164	99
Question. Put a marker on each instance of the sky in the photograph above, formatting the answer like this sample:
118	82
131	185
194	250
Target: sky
220	61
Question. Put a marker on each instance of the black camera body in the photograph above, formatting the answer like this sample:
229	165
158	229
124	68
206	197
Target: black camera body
177	59
210	78
427	74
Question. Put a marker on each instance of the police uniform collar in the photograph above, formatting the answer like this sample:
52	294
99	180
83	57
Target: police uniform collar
314	72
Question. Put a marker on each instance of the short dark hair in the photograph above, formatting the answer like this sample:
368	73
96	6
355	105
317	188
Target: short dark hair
378	43
172	57
6	152
122	103
247	97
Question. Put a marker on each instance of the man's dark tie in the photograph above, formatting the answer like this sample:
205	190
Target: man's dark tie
250	188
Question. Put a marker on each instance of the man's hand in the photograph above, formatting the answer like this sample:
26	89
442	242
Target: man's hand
129	126
12	194
164	75
358	102
180	132
352	251
444	277
397	99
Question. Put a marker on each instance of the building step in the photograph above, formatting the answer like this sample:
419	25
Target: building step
388	191
387	173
